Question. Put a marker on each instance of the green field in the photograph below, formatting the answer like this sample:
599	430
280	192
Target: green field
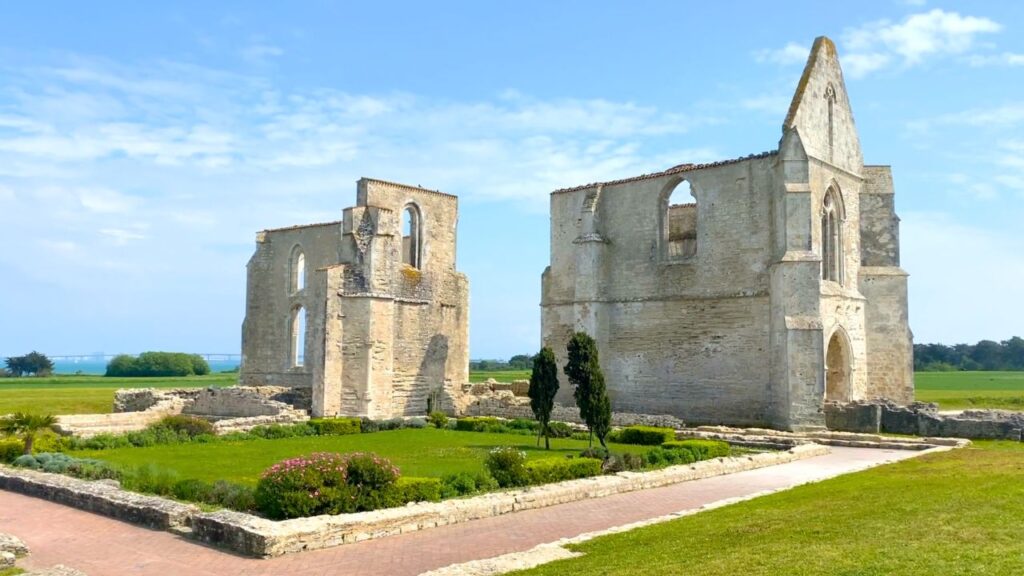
500	375
963	390
947	513
86	394
422	452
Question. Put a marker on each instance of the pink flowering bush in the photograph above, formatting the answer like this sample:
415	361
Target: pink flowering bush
326	483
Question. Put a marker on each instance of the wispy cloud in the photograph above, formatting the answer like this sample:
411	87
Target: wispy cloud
918	37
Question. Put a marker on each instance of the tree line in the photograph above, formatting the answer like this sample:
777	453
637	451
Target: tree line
985	355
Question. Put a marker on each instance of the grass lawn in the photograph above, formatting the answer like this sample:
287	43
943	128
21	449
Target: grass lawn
500	375
86	394
417	452
963	390
948	513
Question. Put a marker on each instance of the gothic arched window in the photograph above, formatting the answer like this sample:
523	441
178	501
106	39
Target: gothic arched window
832	217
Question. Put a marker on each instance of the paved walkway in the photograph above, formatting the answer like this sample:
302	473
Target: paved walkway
101	546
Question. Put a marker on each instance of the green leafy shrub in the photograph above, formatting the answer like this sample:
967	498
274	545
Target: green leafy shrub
150	479
560	430
220	493
701	449
626	461
523	424
438	420
368	425
416	423
548	470
10	450
191	426
658	457
476	423
200	367
325	483
595	452
392	424
336	426
410	489
644	435
507	466
466	483
585	436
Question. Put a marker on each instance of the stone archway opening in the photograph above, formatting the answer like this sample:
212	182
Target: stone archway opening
837	369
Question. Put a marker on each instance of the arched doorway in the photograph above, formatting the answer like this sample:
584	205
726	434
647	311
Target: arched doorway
837	368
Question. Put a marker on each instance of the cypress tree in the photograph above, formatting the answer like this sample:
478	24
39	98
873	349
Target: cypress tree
584	372
543	387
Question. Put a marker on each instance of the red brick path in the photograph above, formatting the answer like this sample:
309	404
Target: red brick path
101	546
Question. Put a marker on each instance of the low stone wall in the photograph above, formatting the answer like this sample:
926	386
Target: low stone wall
141	399
504	404
227	425
256	536
240	402
767	438
87	425
922	419
101	496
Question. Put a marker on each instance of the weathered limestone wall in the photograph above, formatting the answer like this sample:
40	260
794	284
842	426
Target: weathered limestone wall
240	402
385	336
504	404
924	420
722	311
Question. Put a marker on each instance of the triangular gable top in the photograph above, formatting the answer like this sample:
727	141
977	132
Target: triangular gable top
820	111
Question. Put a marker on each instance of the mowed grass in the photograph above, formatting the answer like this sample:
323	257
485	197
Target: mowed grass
949	513
86	394
417	452
966	390
505	376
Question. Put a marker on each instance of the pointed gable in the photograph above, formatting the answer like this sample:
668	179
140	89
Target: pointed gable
821	113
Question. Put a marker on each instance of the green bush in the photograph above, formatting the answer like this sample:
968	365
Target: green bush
701	449
507	466
191	426
415	423
336	426
476	423
626	461
466	483
438	420
220	493
58	463
326	483
658	457
585	436
150	479
11	449
560	430
644	435
523	424
549	470
366	425
407	490
157	364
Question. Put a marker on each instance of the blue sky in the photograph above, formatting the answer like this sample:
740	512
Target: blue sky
142	146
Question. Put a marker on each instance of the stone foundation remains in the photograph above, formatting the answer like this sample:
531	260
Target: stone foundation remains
505	404
921	419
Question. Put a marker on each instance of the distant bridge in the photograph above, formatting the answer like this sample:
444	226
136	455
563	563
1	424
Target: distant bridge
208	356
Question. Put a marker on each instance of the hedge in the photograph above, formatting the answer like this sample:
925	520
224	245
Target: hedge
547	470
158	364
336	426
476	423
11	449
644	435
701	449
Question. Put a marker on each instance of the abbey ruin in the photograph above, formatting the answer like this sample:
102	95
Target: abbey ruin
748	291
368	314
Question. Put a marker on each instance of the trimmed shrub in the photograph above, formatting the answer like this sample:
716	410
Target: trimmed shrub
150	479
644	435
234	496
560	430
507	466
392	424
193	490
58	463
191	426
407	490
701	449
438	420
523	424
626	461
465	483
325	483
415	423
11	449
546	470
336	426
367	425
658	457
476	423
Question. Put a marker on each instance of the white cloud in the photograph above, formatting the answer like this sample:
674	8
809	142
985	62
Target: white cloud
261	53
1003	59
934	33
104	200
120	236
791	53
999	117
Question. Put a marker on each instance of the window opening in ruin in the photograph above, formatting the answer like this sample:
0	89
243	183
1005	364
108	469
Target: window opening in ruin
300	272
412	236
681	222
837	369
832	237
299	337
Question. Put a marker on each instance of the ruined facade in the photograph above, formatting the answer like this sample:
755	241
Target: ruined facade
368	312
772	286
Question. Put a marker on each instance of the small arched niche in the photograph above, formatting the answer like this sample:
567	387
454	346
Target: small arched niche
412	236
838	362
679	222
